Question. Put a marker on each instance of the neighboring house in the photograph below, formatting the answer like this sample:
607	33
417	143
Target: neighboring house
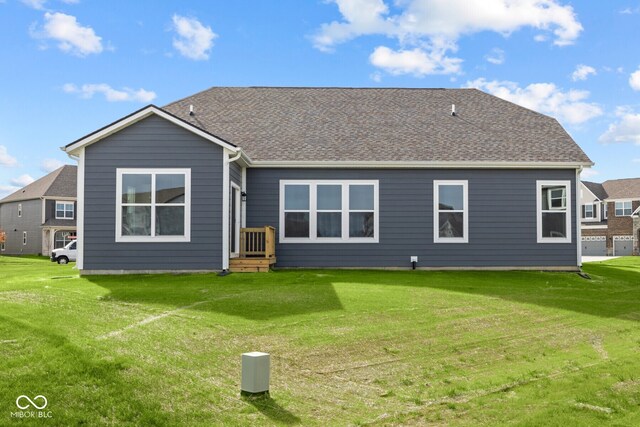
41	216
611	217
370	178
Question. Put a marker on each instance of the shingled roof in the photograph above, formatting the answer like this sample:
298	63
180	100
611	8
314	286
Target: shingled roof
59	183
628	188
370	125
596	189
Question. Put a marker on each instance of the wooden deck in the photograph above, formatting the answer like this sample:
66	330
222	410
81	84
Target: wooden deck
257	250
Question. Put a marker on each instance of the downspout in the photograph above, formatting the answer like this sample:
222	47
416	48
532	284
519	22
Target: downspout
578	217
225	209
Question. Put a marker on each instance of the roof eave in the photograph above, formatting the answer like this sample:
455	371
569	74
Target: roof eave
419	164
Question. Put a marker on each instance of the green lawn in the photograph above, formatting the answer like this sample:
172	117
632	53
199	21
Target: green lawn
348	347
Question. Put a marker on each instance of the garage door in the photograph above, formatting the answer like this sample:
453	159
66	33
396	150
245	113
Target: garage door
622	245
594	245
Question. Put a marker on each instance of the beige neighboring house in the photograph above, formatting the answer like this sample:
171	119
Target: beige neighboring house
611	217
41	216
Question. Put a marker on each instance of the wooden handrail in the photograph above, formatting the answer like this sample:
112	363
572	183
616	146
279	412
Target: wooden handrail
258	242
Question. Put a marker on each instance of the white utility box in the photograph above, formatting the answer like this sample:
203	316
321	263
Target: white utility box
255	372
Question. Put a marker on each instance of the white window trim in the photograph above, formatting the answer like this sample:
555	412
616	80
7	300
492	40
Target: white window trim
24	238
436	212
615	209
2	247
19	210
592	206
65	203
187	205
313	184
235	234
539	185
604	210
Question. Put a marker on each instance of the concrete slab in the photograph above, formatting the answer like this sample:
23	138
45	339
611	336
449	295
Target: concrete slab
597	258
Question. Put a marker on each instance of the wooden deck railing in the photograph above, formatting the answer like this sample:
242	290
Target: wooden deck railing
258	242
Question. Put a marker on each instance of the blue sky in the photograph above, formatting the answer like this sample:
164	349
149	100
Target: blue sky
72	66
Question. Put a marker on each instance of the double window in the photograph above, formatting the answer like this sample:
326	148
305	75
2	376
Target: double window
19	210
329	211
451	212
153	205
554	211
24	238
63	238
623	208
64	210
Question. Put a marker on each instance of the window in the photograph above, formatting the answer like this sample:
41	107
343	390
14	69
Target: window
64	210
153	205
2	246
606	214
63	238
24	237
450	212
588	211
329	211
554	211
623	208
19	210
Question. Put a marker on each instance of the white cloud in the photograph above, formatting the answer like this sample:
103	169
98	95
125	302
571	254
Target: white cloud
582	72
5	190
194	40
35	4
588	173
570	106
634	80
436	25
22	180
416	61
5	158
496	56
112	95
49	165
376	77
626	129
636	160
72	37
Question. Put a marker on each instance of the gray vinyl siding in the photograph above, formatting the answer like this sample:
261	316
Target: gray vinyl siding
50	212
235	174
153	143
502	220
13	226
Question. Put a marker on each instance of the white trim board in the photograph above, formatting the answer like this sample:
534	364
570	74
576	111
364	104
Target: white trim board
416	164
138	116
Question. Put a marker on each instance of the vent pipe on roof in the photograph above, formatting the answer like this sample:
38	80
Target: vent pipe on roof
453	109
191	110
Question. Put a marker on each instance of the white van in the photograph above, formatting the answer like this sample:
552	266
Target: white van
66	254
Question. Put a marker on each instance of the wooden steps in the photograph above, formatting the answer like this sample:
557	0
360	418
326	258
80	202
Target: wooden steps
251	265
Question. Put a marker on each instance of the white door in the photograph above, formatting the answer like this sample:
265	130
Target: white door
234	221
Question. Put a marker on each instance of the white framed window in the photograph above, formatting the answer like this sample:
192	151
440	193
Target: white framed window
19	210
329	211
450	211
24	238
153	205
63	238
64	210
623	208
2	249
606	215
588	211
553	211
